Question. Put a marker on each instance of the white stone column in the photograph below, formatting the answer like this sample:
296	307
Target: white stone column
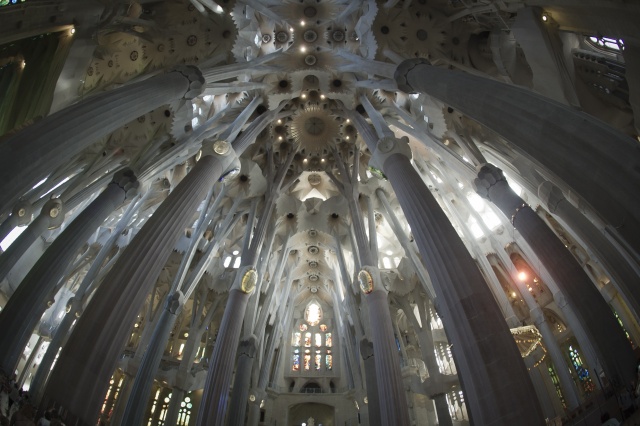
27	304
621	271
592	312
242	381
568	142
29	155
51	217
497	387
79	380
216	389
368	357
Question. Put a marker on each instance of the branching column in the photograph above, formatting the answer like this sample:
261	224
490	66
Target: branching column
392	399
622	273
566	141
81	375
29	155
216	389
612	346
75	304
497	387
51	216
26	306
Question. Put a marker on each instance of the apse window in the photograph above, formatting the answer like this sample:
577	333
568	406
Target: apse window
311	343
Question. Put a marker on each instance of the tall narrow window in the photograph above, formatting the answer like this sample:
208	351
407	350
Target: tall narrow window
307	361
184	415
583	374
296	360
556	384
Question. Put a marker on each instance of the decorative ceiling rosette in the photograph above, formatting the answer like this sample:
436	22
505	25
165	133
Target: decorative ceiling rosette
390	30
313	128
249	183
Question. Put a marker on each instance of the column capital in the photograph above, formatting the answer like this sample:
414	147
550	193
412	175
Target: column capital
53	210
196	80
127	181
175	302
550	195
248	346
492	185
225	153
488	176
389	146
366	348
403	69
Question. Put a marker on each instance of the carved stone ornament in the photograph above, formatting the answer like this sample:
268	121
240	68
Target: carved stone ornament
366	281
249	281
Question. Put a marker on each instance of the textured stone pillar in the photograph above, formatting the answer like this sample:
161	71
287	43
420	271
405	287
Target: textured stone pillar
366	351
541	391
28	156
593	313
134	411
216	388
242	381
79	379
621	272
566	141
75	304
555	353
392	398
497	387
442	409
584	340
27	304
51	217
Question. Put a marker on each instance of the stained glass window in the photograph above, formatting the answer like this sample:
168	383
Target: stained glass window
184	415
7	2
296	361
311	343
295	341
556	384
307	362
583	373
